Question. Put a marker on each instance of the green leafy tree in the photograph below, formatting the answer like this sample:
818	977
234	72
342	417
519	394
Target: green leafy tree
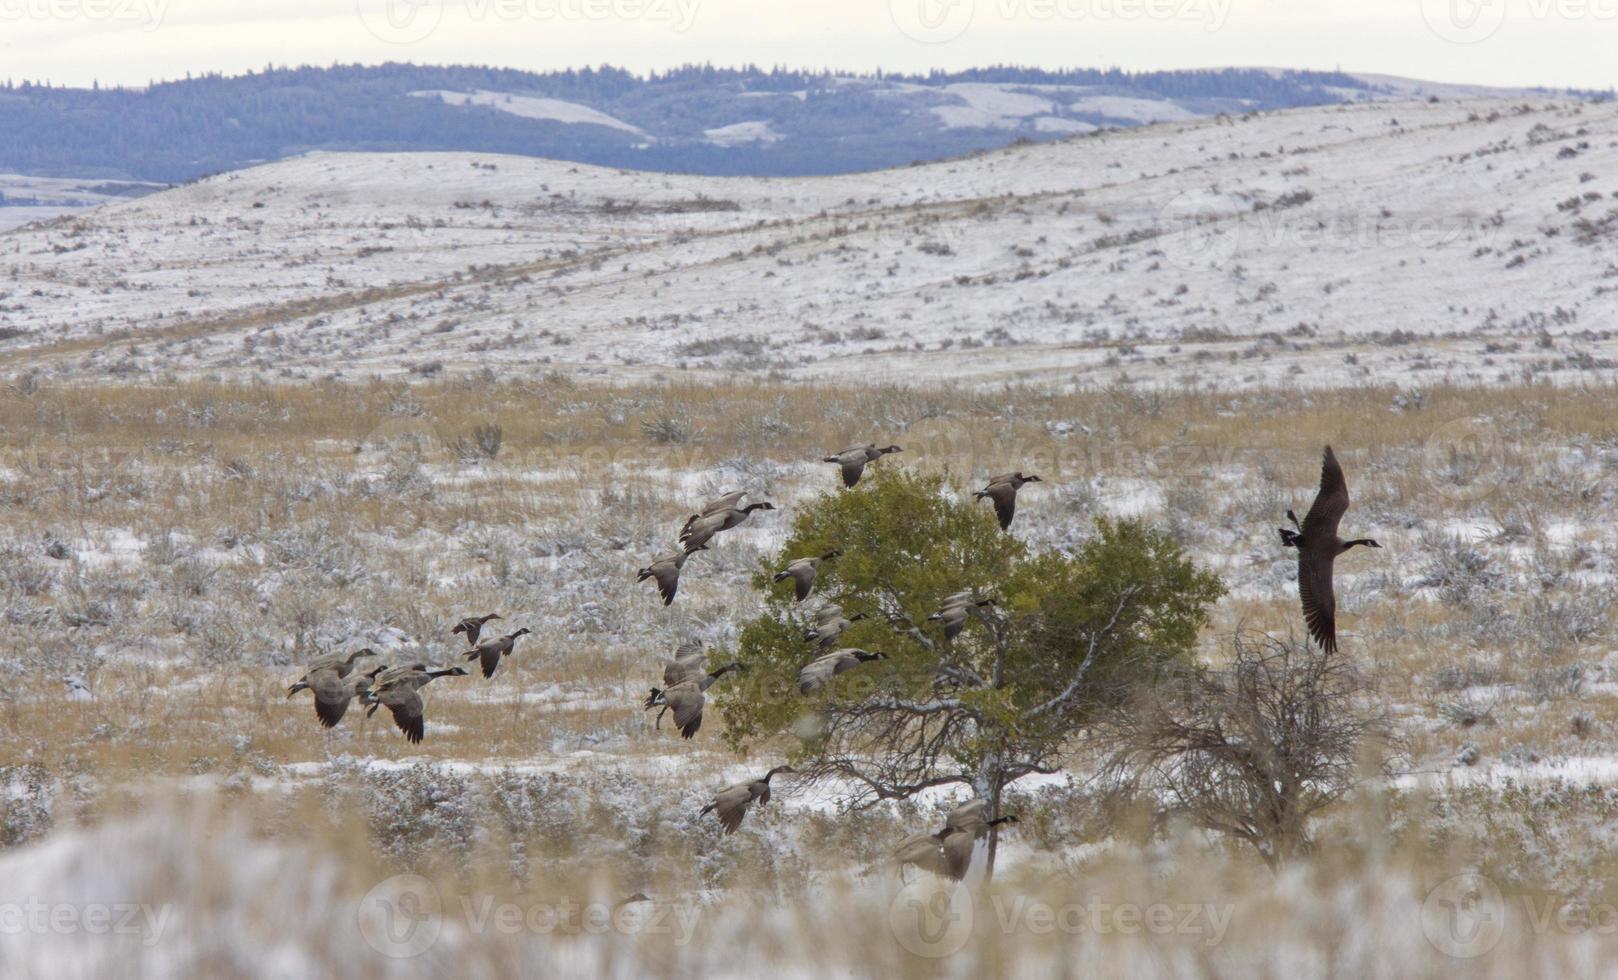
1000	700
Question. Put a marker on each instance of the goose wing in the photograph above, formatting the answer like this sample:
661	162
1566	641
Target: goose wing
667	573
679	671
489	652
1321	522
816	673
829	612
472	627
1315	592
957	848
731	806
1004	496
686	701
923	851
727	502
406	706
852	466
802	573
969	815
331	697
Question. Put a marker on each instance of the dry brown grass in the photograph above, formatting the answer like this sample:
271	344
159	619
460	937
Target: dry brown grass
196	519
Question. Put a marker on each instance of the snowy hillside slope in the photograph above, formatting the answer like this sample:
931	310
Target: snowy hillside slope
1314	242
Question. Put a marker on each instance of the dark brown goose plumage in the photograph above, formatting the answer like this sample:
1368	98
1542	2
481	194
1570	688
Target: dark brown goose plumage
1003	491
666	571
400	689
331	677
731	803
1318	547
472	626
851	462
489	652
948	852
956	611
819	671
686	699
701	528
802	572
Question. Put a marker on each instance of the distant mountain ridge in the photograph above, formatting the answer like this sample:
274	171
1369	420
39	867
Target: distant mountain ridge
700	119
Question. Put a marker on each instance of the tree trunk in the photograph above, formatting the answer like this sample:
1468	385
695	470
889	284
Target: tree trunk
992	782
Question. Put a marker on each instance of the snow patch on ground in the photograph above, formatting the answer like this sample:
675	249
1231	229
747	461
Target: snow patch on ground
756	131
532	107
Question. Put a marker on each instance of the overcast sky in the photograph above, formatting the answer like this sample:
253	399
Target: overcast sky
1496	42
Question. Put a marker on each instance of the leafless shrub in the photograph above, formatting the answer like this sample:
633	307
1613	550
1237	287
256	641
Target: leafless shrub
667	430
1459	677
483	443
162	549
19	572
1252	750
1468	711
1557	625
26	797
1461	573
192	576
1552	683
403	476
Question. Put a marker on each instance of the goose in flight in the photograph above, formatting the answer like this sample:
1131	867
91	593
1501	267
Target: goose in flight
1318	547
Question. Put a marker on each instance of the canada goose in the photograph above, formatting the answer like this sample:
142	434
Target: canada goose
399	688
1318	547
472	626
732	802
924	851
948	852
700	529
973	815
328	676
491	650
729	501
818	671
829	625
686	699
687	663
802	572
955	611
667	572
1003	491
852	461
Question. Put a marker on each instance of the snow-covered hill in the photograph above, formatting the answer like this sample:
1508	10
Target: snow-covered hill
1315	241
